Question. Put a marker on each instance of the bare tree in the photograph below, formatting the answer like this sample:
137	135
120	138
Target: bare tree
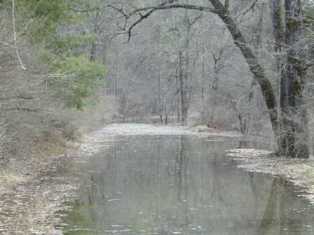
294	18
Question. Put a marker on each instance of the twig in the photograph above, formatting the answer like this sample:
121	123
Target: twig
15	37
164	6
247	10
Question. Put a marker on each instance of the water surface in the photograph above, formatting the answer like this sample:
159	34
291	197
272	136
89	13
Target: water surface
182	185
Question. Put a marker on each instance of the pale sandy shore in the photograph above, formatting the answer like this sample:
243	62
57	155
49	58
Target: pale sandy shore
97	140
298	171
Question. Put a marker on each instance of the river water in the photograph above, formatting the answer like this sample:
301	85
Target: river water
181	185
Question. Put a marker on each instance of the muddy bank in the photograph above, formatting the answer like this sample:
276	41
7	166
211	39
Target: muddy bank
299	171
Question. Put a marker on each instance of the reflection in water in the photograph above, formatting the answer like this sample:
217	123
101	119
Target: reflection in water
280	217
181	185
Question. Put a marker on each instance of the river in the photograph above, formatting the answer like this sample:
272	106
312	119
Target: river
181	185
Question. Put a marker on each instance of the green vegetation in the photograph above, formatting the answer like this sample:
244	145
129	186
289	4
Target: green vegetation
81	75
53	28
78	216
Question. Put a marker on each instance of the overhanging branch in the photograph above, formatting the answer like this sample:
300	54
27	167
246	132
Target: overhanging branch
182	6
145	12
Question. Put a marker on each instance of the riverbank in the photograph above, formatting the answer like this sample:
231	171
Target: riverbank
33	191
31	198
130	129
298	171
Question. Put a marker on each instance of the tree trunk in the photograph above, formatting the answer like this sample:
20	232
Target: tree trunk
178	96
291	131
214	88
183	91
293	141
160	107
252	61
278	23
185	70
93	50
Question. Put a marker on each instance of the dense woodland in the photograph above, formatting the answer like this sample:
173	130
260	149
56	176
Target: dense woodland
70	66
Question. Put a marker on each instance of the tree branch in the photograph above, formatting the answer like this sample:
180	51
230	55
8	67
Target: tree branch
15	37
256	69
163	6
247	10
239	40
142	17
182	6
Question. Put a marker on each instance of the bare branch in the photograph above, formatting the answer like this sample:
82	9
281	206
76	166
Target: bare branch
15	37
193	21
182	6
120	10
143	17
164	6
248	9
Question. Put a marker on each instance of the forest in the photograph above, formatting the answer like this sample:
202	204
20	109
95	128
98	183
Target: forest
88	85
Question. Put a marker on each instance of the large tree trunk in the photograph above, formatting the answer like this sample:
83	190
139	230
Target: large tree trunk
252	61
291	131
294	134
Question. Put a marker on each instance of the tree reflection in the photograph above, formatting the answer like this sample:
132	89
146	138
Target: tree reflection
279	218
181	179
163	185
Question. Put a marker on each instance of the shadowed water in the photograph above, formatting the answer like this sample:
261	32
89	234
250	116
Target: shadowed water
182	185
